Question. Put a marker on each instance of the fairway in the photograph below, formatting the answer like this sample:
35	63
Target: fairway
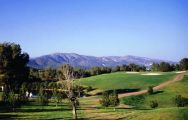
165	95
122	80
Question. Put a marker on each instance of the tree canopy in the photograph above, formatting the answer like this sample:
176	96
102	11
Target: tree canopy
184	64
13	66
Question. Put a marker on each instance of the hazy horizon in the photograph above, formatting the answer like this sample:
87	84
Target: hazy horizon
154	29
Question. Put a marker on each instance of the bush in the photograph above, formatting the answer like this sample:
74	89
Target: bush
150	90
109	99
180	101
154	104
114	100
105	101
89	88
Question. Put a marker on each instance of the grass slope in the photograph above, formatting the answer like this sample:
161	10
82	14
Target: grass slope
122	80
167	109
166	95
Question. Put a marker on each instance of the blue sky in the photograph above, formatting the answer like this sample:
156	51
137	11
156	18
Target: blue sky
149	28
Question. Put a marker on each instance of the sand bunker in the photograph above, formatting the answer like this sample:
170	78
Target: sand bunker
180	71
152	74
132	72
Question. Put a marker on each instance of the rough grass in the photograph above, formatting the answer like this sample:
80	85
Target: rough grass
122	80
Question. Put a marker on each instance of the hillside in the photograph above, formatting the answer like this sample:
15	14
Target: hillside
83	61
126	81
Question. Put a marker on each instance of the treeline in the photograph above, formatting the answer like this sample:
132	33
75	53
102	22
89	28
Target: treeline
167	67
55	74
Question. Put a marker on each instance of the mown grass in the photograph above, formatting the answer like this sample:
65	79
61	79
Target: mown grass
122	80
164	97
33	111
167	109
172	113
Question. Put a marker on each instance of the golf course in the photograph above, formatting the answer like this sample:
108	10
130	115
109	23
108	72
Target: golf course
131	107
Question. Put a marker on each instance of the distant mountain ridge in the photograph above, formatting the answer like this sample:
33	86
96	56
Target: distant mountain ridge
84	61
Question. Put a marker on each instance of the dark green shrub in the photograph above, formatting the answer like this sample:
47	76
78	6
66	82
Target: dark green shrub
89	88
114	100
109	99
105	101
150	90
154	104
180	101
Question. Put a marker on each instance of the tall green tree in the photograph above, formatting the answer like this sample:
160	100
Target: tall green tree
13	66
155	67
165	67
184	64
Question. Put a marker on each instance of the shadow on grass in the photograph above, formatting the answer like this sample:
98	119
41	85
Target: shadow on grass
39	117
120	91
8	117
157	92
42	110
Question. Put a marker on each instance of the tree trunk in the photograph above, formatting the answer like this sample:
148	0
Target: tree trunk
74	114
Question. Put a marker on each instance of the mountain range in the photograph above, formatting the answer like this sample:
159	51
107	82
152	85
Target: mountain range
84	61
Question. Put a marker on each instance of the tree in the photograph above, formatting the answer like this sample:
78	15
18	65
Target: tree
50	74
13	66
184	64
133	67
68	72
172	67
95	71
177	67
155	67
165	67
116	69
123	68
